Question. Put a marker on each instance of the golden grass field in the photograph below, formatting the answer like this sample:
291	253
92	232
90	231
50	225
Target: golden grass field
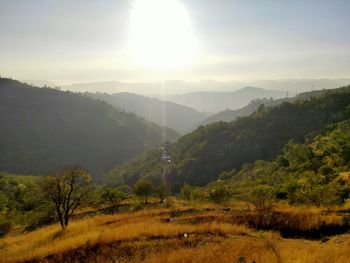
183	234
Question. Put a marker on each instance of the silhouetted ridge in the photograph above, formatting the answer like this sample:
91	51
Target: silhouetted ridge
44	129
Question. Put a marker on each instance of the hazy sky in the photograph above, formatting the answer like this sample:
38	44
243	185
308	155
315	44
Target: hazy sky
69	41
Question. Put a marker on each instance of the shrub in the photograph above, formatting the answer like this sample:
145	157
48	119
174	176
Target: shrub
112	196
162	191
143	188
263	200
197	194
219	192
186	191
136	206
168	203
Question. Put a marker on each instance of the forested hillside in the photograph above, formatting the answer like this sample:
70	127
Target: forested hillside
199	157
165	113
44	129
314	173
231	115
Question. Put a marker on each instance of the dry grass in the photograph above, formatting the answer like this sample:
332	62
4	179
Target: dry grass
158	235
305	218
263	250
104	229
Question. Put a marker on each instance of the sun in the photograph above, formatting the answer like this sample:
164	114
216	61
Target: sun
161	35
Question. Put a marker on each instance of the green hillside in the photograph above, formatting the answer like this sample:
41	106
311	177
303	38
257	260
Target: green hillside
231	115
316	173
199	157
44	129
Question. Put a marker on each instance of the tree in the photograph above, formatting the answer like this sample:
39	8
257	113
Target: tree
292	190
328	173
162	191
112	195
219	192
186	192
67	191
143	188
263	199
3	201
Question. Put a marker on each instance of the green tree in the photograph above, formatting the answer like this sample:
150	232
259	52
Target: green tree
112	195
3	202
328	173
263	200
186	192
163	191
143	188
292	190
219	192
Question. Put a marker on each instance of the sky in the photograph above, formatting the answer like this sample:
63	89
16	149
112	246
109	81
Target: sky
149	40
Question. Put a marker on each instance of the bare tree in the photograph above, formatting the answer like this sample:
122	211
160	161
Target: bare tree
67	191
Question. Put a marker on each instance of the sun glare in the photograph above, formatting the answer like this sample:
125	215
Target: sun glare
161	35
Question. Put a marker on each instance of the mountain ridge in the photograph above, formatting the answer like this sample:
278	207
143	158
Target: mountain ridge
210	101
44	129
164	113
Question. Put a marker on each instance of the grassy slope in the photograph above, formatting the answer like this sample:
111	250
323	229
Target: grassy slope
157	235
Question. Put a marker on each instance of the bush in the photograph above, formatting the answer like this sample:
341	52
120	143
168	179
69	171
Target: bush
219	192
41	218
127	190
168	203
186	192
263	198
143	188
137	206
197	194
162	191
112	196
328	173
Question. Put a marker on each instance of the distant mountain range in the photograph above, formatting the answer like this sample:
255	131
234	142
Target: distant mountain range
180	114
44	129
165	113
218	101
172	87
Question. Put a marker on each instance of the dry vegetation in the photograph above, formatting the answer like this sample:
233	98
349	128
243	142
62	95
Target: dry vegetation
181	234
